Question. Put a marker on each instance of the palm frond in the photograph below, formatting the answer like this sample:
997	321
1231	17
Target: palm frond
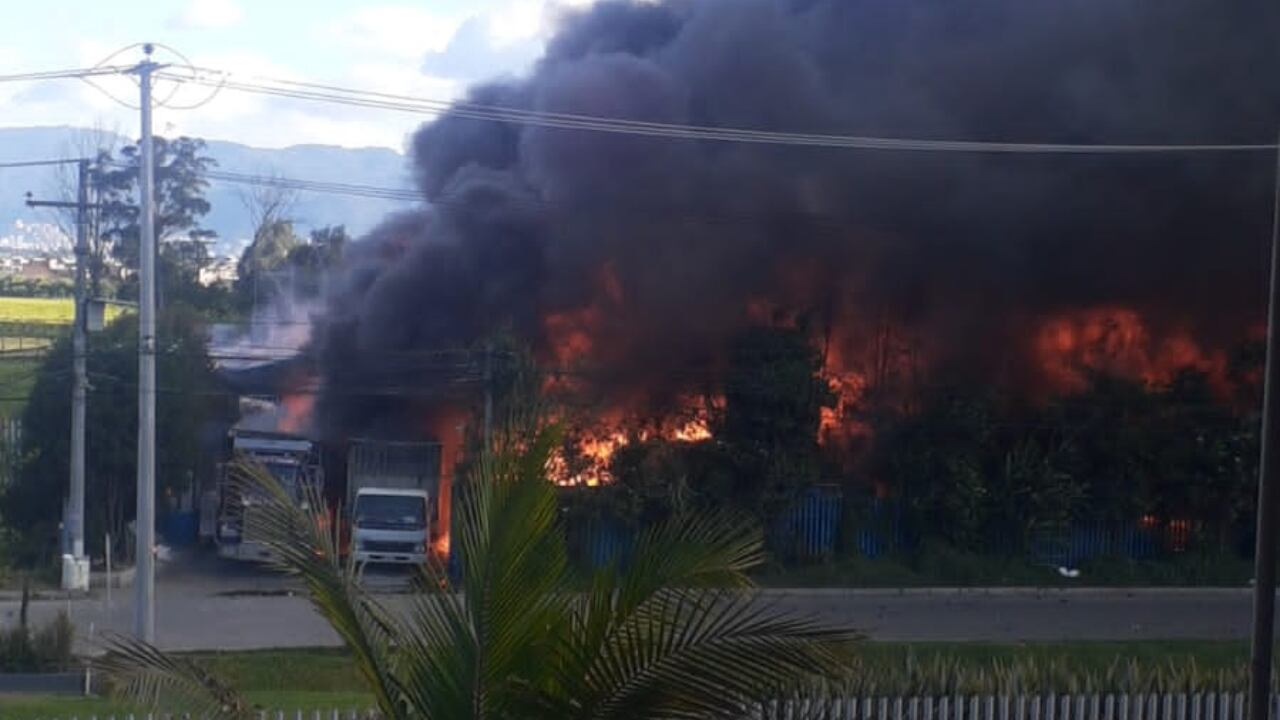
708	653
475	654
706	551
304	543
141	673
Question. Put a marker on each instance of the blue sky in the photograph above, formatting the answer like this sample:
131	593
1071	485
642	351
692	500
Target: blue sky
429	48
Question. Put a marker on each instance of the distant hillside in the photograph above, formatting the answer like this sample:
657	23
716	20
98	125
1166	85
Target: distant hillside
366	166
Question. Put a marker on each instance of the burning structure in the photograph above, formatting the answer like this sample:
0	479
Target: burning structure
628	263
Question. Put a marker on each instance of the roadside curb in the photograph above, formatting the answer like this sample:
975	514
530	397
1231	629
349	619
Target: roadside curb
1027	591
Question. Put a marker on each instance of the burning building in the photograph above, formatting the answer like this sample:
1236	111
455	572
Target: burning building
629	262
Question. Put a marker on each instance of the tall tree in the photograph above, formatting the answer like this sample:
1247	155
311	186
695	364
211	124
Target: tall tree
774	395
181	183
187	404
256	278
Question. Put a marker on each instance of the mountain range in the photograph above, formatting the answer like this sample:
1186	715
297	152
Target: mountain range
377	167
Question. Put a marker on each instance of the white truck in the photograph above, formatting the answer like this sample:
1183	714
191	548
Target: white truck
294	463
391	490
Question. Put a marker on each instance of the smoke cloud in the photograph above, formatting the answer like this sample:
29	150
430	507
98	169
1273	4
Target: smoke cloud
658	248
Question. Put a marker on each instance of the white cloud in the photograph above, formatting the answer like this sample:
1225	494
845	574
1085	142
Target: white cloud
400	31
208	15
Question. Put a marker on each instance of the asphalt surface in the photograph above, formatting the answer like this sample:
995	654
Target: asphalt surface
206	604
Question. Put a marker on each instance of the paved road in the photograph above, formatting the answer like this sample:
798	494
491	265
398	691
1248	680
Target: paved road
212	606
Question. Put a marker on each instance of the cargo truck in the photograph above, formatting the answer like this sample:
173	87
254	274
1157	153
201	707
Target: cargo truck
391	494
294	463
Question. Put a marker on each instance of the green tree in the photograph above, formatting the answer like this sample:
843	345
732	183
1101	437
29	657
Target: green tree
188	399
181	168
773	398
181	182
309	261
273	244
674	633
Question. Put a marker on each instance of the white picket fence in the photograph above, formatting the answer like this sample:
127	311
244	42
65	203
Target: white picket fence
1169	706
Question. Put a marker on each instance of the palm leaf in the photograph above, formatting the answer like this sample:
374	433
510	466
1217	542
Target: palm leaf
304	543
707	653
143	674
476	654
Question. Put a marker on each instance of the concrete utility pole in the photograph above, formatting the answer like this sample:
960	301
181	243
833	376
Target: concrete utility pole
1264	573
144	609
75	567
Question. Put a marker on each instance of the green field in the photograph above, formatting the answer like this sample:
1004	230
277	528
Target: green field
325	679
55	311
28	327
44	311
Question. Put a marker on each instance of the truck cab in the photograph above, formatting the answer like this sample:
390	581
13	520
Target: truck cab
290	460
390	526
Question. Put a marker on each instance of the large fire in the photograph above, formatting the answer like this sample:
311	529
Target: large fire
1116	340
447	428
588	460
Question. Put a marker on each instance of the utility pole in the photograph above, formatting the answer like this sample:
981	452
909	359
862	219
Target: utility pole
144	609
75	570
1264	572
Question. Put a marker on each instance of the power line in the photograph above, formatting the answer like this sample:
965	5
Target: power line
318	186
64	74
38	163
370	99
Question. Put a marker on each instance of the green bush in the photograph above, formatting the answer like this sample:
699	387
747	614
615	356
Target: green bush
48	649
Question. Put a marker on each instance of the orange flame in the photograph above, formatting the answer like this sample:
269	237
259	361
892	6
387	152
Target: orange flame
1117	340
446	428
297	412
595	451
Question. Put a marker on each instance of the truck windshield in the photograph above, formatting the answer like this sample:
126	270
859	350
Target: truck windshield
390	512
286	474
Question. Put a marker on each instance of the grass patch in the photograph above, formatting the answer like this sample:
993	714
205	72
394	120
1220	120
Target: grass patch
17	377
1084	656
53	311
46	311
328	669
32	707
326	679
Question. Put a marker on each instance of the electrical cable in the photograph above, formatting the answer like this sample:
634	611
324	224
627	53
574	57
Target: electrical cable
371	99
63	74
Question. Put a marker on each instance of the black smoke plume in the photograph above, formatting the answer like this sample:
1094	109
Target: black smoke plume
959	251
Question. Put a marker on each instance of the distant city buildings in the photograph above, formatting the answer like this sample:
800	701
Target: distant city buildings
42	251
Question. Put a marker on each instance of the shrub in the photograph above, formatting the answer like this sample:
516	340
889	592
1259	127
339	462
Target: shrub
48	649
